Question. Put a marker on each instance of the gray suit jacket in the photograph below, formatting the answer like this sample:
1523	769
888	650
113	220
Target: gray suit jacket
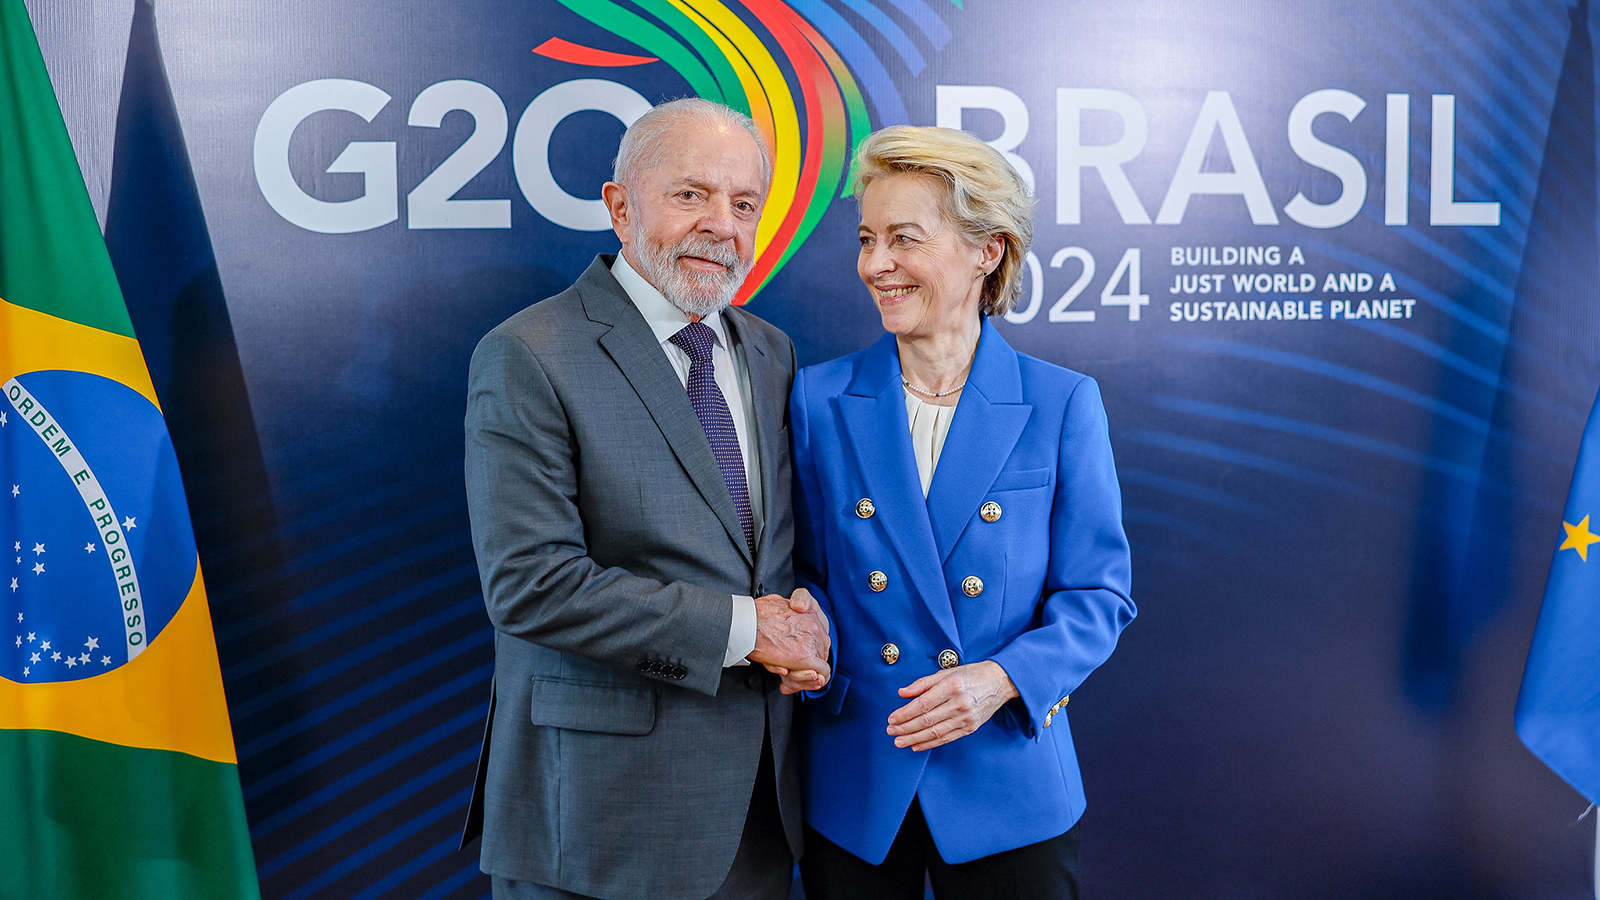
620	756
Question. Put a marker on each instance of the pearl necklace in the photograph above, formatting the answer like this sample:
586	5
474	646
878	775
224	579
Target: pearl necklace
927	393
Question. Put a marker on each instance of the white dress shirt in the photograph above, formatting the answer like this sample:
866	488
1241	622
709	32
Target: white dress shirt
733	379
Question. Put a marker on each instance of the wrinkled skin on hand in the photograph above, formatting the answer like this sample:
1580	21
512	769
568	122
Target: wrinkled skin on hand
792	641
950	704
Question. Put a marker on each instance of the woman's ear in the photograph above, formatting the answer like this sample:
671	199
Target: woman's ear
992	251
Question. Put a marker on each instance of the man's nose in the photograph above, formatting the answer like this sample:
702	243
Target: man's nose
717	220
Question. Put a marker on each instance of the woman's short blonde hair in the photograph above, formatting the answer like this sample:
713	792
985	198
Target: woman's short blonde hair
984	196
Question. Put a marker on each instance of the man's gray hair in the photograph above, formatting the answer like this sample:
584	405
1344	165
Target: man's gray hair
642	145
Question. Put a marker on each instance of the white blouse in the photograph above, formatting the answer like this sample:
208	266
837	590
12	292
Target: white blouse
929	426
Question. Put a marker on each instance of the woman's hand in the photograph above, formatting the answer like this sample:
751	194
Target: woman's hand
949	704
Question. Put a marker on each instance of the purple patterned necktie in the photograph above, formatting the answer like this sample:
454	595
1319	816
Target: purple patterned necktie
697	339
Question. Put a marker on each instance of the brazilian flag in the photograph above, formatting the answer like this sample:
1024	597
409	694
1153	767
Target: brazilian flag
118	777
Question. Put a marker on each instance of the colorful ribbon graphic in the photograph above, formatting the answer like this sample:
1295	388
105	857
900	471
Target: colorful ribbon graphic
724	58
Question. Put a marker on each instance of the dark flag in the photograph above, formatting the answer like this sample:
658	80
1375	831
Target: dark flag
161	250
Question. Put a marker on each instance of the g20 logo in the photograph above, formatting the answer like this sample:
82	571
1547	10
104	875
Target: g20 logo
429	204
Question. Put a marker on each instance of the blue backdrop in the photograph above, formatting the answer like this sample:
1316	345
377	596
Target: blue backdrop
1333	264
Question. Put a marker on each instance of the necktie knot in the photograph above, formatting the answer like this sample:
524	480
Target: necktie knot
695	339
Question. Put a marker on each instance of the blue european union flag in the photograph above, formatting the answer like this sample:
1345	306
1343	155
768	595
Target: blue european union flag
1558	711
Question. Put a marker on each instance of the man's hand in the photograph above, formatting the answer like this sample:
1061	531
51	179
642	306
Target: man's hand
792	641
949	704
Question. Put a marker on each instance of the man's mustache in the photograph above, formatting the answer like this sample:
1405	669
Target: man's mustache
718	253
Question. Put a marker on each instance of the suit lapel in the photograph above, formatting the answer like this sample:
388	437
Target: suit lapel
988	421
634	348
769	398
873	412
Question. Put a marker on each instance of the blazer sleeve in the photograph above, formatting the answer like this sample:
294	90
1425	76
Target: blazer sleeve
539	584
810	531
1086	600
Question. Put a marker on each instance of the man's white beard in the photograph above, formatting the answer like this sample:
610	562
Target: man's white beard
696	293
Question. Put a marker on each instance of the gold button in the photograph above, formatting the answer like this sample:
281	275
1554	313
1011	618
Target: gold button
1064	700
948	659
990	511
877	581
972	585
1047	720
890	654
864	508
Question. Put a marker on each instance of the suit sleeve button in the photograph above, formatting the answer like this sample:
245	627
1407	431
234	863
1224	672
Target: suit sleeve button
679	672
644	665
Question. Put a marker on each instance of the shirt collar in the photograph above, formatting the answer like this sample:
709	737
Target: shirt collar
664	319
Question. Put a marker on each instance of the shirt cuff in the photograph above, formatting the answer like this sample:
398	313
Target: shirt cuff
742	633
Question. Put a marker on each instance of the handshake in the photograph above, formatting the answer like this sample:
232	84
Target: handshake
792	641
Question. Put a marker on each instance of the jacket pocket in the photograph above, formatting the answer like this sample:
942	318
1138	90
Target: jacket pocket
590	706
1019	480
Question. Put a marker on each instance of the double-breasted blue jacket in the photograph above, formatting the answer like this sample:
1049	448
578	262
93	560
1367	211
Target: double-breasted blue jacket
1025	501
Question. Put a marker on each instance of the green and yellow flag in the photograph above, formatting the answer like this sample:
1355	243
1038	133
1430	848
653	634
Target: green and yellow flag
118	777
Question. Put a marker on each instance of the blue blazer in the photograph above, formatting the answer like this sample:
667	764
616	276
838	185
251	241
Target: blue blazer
1030	437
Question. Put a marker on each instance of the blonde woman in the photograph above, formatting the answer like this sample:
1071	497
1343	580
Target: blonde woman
958	516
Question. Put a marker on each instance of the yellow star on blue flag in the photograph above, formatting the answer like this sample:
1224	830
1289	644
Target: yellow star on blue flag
1558	710
1579	538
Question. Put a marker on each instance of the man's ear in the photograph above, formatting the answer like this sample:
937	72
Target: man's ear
615	197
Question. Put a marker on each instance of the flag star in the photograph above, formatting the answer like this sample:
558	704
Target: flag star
38	549
88	548
2	420
1579	537
19	640
13	584
33	658
16	545
72	661
38	568
83	658
105	660
128	523
30	637
55	657
24	671
92	643
16	489
43	646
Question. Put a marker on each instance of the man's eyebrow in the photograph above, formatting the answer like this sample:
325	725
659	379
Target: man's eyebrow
698	183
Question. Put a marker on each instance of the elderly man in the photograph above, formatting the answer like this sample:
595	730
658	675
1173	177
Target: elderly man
628	479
